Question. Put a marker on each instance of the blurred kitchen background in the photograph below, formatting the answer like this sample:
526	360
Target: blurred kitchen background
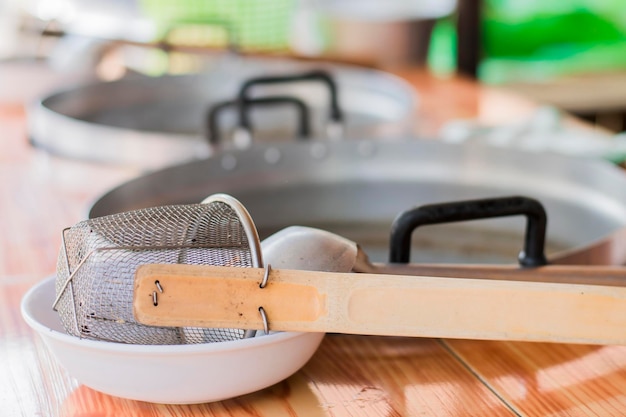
569	54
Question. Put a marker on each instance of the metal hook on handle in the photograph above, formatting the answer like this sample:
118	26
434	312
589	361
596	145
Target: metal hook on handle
155	295
266	276
266	326
263	284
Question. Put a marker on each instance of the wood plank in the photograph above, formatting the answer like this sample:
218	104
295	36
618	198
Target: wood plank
31	382
394	376
540	379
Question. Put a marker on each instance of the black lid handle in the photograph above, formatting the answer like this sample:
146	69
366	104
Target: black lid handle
534	241
212	125
336	115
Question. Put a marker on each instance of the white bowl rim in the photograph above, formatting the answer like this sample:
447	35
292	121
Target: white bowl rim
200	348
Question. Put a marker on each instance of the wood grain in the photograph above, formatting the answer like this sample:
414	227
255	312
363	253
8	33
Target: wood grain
394	376
556	380
31	382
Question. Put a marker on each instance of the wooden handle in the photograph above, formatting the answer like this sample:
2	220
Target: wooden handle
496	309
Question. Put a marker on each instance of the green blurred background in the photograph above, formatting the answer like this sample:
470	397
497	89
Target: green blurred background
523	40
537	39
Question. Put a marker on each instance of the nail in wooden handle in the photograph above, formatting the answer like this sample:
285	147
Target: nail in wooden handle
209	296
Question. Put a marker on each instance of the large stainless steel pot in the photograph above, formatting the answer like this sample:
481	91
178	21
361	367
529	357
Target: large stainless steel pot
154	122
357	188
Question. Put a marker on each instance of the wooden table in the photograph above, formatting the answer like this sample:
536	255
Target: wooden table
348	376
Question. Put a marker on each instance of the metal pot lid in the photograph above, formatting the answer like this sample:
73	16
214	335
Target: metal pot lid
155	122
357	188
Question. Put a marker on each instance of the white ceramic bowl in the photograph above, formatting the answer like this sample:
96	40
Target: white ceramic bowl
180	374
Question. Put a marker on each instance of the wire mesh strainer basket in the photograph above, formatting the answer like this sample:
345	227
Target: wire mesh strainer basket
98	259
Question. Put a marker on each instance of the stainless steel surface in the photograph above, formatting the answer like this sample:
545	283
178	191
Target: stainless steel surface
155	122
355	189
99	257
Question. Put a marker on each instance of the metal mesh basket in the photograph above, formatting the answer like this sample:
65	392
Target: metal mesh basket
99	257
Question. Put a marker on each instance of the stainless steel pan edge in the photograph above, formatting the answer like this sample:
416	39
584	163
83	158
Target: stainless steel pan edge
119	121
370	182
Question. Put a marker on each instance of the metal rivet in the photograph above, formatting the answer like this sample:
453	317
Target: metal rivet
319	150
366	149
272	155
229	162
242	138
335	131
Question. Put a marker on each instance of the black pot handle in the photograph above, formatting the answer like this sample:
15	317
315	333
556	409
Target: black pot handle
336	115
213	131
534	240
